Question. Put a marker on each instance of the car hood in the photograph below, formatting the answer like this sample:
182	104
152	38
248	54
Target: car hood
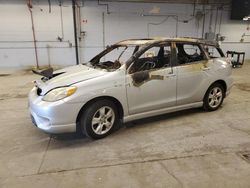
69	76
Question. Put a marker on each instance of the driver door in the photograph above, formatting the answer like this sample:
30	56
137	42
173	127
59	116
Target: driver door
151	86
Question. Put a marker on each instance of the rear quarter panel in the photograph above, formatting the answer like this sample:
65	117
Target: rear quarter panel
196	81
220	69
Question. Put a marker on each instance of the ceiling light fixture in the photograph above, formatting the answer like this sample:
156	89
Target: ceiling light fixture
246	18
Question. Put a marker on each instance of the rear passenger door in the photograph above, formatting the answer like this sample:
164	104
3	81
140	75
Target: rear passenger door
191	67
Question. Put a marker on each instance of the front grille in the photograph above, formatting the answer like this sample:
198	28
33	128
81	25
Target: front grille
39	91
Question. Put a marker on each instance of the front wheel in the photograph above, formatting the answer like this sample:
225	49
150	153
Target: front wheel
99	119
214	97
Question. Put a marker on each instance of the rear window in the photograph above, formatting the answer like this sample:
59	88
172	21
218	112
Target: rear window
189	53
214	52
191	49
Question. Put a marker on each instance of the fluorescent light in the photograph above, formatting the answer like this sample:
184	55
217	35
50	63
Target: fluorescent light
246	18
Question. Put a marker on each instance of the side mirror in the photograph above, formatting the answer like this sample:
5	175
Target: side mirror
140	77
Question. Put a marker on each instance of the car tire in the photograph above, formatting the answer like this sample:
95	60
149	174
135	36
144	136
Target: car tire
214	97
99	119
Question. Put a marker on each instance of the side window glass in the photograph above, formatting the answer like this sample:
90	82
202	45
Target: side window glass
192	50
156	57
189	53
213	52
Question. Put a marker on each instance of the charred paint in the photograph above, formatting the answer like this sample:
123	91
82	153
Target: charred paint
143	77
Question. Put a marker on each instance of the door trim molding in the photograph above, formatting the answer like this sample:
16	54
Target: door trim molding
161	111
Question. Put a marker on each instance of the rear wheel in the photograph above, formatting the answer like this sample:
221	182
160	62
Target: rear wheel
99	119
214	97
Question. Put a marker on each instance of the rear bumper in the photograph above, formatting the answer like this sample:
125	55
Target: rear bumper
53	117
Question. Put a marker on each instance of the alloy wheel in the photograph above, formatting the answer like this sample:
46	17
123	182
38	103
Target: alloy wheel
103	120
215	97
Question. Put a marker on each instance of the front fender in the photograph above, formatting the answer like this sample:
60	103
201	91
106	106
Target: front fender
111	86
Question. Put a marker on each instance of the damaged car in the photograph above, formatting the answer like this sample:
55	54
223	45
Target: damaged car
130	80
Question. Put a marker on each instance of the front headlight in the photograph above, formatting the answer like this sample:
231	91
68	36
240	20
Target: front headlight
59	93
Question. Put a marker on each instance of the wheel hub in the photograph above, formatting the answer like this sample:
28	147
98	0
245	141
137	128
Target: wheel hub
103	120
215	97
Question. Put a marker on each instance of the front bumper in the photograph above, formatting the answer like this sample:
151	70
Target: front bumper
53	117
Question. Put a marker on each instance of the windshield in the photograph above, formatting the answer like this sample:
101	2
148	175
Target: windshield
114	57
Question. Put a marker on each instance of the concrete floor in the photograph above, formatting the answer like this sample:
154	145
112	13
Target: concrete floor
186	149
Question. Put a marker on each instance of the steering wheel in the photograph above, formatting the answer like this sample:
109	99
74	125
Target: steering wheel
106	64
147	66
102	65
116	64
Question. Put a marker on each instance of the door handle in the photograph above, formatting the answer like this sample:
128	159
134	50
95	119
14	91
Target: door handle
170	75
156	77
205	68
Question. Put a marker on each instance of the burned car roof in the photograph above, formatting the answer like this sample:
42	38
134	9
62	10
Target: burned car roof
136	41
163	39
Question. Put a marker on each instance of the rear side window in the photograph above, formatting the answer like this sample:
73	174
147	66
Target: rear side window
189	53
191	50
213	51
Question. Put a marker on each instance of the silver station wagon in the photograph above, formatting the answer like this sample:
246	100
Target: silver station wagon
129	80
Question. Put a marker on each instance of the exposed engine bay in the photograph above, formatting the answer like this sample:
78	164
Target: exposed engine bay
46	74
109	65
